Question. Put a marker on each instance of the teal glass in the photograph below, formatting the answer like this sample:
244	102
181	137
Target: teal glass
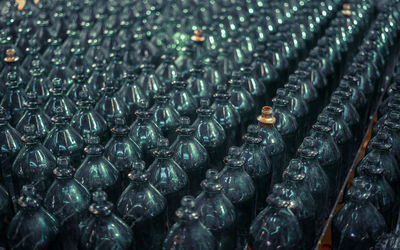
131	93
216	211
34	115
168	177
10	143
79	84
210	133
382	195
315	177
238	186
32	225
190	154
60	69
167	70
197	85
165	115
350	114
297	189
226	114
58	99
276	226
33	53
145	132
188	232
347	232
6	213
121	150
182	99
96	171
329	156
115	68
241	99
63	139
67	200
110	106
97	81
286	124
12	63
212	73
34	162
256	88
102	228
272	143
257	164
143	207
87	121
38	83
184	61
148	81
14	97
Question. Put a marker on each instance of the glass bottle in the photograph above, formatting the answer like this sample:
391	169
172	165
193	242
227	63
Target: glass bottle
286	124
257	164
226	114
272	142
149	81
238	186
121	150
165	115
88	121
382	194
358	223
182	99
144	207
389	240
241	99
110	106
67	200
60	69
167	176
212	74
298	107
131	93
145	132
196	83
188	232
350	114
79	84
34	162
256	88
97	81
216	211
32	225
12	63
58	99
38	83
115	67
102	228
96	171
14	97
210	133
167	70
190	154
63	139
315	176
276	226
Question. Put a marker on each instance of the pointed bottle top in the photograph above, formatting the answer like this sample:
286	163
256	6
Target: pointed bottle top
100	205
267	116
187	211
29	197
30	134
120	127
139	173
294	171
252	135
233	158
211	184
64	168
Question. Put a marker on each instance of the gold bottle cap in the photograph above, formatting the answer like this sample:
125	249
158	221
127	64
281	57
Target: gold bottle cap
198	36
267	117
11	56
346	6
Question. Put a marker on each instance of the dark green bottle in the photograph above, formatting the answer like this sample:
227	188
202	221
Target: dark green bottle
238	186
131	93
88	121
58	99
143	207
67	200
226	114
96	171
188	232
210	133
14	97
168	177
32	225
257	164
34	162
190	154
272	142
216	211
197	86
182	99
102	228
